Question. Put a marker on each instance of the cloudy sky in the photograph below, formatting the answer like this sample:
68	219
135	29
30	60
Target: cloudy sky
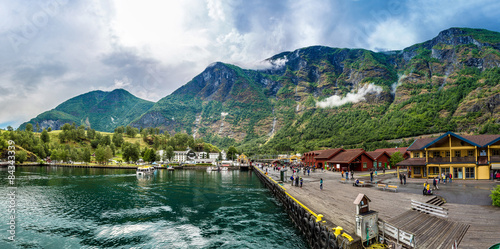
52	50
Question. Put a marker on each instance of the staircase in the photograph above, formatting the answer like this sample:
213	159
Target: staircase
437	201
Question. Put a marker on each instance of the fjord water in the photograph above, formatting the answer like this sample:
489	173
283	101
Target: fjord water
113	208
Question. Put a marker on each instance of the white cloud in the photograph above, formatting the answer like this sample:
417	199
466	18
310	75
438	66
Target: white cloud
356	97
66	48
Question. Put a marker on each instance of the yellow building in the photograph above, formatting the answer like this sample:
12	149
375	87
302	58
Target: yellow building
465	157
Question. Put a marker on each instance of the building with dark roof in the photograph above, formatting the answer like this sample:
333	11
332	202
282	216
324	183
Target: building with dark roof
403	150
381	159
326	155
354	159
464	157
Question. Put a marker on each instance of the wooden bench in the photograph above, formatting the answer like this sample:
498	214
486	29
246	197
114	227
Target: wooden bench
360	184
343	180
392	187
381	186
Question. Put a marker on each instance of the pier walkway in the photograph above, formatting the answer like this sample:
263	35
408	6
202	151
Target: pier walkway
335	202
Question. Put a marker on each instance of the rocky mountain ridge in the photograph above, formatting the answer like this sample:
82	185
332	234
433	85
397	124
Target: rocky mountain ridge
317	96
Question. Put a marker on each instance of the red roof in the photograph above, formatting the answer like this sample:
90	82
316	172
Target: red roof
327	154
377	154
391	151
348	156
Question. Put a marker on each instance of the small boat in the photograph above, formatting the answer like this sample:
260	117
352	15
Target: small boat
145	170
170	167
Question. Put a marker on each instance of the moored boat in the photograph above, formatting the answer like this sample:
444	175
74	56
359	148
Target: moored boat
145	170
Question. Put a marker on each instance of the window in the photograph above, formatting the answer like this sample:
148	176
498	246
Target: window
495	152
380	164
435	154
469	173
457	153
375	164
416	154
364	165
424	153
446	171
470	153
447	154
416	170
433	170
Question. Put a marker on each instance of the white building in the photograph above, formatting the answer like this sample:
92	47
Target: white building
189	155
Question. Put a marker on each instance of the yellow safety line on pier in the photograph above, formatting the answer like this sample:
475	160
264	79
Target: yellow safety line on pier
298	202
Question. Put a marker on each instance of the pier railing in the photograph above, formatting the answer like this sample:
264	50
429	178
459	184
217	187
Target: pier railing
394	233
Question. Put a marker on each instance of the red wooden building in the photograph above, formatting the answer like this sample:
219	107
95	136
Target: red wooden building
308	158
381	158
326	155
354	159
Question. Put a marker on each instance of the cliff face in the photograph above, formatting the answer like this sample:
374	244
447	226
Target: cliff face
319	96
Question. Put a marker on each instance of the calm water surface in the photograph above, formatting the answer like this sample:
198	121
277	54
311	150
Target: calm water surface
113	208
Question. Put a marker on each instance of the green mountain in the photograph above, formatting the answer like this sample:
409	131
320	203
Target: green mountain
103	111
330	97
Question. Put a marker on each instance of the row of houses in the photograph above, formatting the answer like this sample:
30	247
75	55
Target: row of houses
464	157
354	159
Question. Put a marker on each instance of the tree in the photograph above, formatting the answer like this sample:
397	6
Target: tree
45	136
169	153
120	130
37	127
103	154
231	153
29	127
49	129
131	131
21	155
396	158
130	152
9	128
118	139
85	156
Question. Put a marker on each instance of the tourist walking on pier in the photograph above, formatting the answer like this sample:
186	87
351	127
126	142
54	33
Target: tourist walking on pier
297	181
301	181
400	178
342	173
434	182
450	177
321	183
371	176
404	179
352	174
347	175
291	178
308	171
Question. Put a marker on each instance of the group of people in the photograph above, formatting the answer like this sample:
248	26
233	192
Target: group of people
444	177
297	179
347	174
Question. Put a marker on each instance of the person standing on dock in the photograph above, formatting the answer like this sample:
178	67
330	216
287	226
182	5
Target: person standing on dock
371	176
301	181
404	179
297	180
291	178
352	174
342	173
434	182
321	183
347	175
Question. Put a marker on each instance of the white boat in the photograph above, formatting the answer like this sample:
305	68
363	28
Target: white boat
145	170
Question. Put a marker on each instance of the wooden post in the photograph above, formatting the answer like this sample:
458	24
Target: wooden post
450	146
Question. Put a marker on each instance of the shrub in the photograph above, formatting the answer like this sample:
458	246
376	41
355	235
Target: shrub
495	196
